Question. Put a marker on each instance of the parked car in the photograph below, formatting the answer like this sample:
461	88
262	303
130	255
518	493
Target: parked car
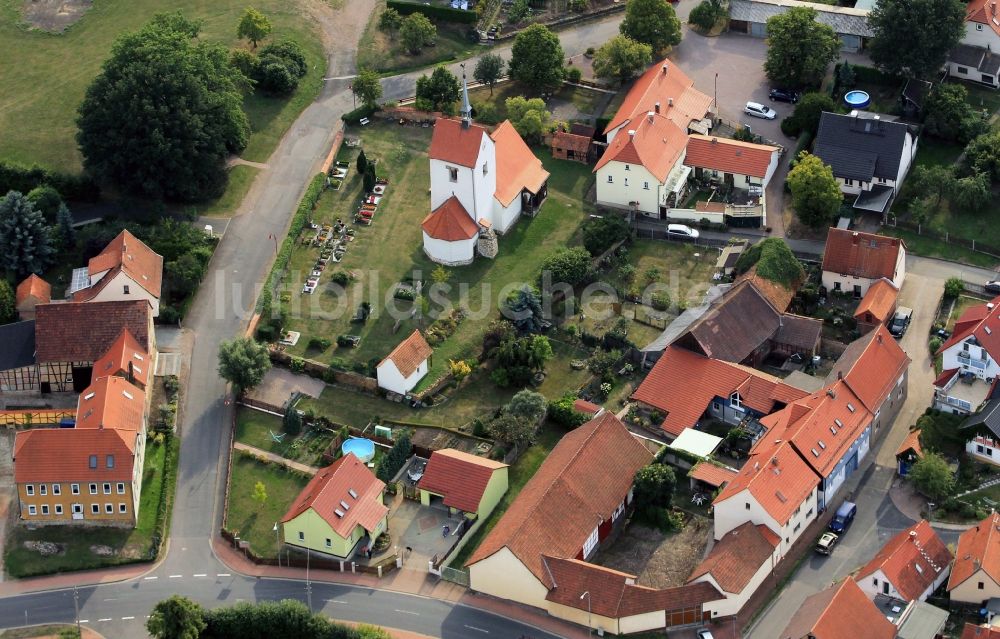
826	543
681	231
705	634
900	321
992	287
760	111
784	95
844	516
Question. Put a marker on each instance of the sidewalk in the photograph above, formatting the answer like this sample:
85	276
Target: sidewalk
277	459
907	501
75	579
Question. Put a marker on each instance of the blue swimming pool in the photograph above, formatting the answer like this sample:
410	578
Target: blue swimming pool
857	99
363	449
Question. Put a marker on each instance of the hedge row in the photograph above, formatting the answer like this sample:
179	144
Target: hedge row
163	509
309	200
75	188
434	11
363	111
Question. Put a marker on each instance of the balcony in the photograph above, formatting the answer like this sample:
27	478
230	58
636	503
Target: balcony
966	360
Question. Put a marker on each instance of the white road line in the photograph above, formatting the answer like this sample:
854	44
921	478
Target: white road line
335	601
150	578
223	574
200	574
105	619
85	621
175	576
477	629
127	618
111	599
408	612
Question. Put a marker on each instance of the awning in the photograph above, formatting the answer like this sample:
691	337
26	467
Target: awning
876	200
677	179
696	442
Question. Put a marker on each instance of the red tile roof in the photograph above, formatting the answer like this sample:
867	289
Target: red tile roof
880	301
946	376
450	222
911	442
779	295
871	365
571	142
980	321
776	477
451	142
331	488
585	407
112	403
729	156
578	486
35	287
615	594
63	455
972	631
712	474
665	83
409	354
125	253
978	547
459	477
683	383
911	561
84	331
517	167
983	12
862	254
840	612
657	145
737	557
125	357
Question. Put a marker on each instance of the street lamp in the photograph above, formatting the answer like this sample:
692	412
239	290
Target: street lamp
586	593
308	585
277	539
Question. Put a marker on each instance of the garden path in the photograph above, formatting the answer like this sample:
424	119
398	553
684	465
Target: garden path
277	459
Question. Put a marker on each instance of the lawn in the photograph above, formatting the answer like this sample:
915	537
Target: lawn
962	304
935	152
983	98
928	247
42	91
241	177
130	546
585	101
385	53
520	472
248	519
254	428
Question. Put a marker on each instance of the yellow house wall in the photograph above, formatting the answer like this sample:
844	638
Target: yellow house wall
316	531
66	499
597	622
503	575
495	490
968	591
639	623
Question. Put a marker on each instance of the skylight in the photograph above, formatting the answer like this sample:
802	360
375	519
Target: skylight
919	568
351	492
850	407
89	396
814	452
833	430
127	395
839	423
339	512
987	329
345	505
822	444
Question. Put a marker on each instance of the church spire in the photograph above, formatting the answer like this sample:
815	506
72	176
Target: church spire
466	107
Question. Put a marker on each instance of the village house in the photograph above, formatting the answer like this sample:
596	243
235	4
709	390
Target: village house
877	306
737	566
573	144
982	429
974	344
959	392
849	23
406	365
842	610
909	567
853	261
976	57
908	453
975	575
464	483
972	631
31	292
340	511
126	269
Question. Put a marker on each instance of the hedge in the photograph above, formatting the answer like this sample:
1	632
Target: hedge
164	508
433	11
74	188
309	200
363	111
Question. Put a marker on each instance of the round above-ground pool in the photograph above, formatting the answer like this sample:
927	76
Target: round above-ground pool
363	449
857	99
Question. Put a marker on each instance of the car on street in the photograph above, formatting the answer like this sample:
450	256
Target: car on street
784	95
900	321
843	518
992	287
681	232
760	111
826	543
705	634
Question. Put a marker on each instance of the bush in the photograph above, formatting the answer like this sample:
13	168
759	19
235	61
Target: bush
704	15
391	462
599	234
563	413
355	116
934	344
341	277
319	343
953	287
437	12
80	188
573	74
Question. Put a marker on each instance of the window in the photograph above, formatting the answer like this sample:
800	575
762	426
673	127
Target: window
875	581
58	509
107	488
109	461
962	70
74	488
626	167
809	514
645	186
734	401
56	489
979	27
43	489
980	586
32	510
93	489
452	174
965	347
45	509
748	179
716	406
885	587
109	508
979	449
987	78
626	181
93	461
486	168
329	544
95	509
848	182
125	289
302	536
122	508
836	286
590	545
747	504
121	488
797	526
77	509
29	490
611	179
989	452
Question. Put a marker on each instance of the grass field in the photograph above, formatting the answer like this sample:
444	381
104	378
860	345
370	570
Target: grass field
129	545
927	247
250	520
385	53
41	92
254	428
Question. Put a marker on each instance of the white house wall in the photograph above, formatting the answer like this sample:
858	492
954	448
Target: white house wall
772	167
473	189
114	291
504	217
391	379
978	34
743	507
969	592
735	601
847	282
450	253
909	150
984	449
950	359
503	575
630	183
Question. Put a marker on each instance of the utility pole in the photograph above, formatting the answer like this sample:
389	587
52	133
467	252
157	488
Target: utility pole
309	597
76	608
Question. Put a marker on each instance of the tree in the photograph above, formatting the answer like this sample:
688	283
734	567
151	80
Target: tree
248	64
652	22
390	20
953	287
439	92
563	412
176	618
362	162
254	26
537	59
971	192
391	462
847	76
524	308
367	87
568	265
243	362
949	116
706	14
912	38
489	69
600	234
291	55
274	78
416	31
518	358
459	369
440	275
983	155
799	49
291	422
25	245
8	310
808	110
64	227
530	117
527	405
519	10
654	486
622	58
933	182
46	201
511	430
164	114
281	66
816	196
369	178
259	494
932	476
184	273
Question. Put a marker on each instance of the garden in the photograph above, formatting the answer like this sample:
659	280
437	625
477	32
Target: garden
383	49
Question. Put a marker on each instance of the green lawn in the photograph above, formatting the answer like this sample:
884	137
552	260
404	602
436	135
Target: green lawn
935	152
42	91
585	101
241	177
983	98
385	53
923	245
963	304
254	428
130	545
481	95
520	472
247	518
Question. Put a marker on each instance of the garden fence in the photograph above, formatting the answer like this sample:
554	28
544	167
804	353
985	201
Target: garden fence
947	238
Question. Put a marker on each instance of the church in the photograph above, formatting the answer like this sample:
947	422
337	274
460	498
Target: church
481	183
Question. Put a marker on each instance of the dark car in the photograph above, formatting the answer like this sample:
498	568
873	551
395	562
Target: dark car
784	95
992	287
900	321
843	517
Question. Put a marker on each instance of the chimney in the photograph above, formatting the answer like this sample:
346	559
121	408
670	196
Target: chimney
715	140
840	375
913	536
657	107
774	461
631	134
664	68
670	102
650	116
878	336
832	394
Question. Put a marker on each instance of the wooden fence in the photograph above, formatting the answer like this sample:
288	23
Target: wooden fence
34	417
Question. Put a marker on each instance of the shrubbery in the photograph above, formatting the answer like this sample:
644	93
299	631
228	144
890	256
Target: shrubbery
390	463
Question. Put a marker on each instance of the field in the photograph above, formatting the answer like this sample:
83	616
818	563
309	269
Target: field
248	519
42	90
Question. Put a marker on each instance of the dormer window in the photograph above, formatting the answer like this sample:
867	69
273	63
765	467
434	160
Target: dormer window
735	401
452	174
979	27
109	461
92	463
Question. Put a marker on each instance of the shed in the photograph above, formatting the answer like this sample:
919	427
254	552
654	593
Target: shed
570	146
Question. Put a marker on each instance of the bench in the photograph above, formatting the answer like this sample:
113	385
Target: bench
364	121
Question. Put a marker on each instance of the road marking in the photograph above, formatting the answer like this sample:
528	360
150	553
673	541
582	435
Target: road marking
477	629
105	619
127	618
150	578
335	601
111	599
408	612
85	621
223	574
175	576
200	575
